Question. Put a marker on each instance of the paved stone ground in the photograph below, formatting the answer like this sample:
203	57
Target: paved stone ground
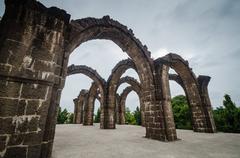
77	141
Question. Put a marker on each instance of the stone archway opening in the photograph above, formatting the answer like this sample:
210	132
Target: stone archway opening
71	91
181	104
132	103
97	111
99	54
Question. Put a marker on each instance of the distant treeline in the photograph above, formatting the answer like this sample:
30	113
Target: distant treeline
227	117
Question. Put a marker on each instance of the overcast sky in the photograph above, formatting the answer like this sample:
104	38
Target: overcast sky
206	33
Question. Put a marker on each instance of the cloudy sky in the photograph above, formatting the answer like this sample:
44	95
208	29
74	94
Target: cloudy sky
206	33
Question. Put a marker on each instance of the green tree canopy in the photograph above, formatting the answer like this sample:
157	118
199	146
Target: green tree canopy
97	116
137	116
129	117
227	117
64	117
181	112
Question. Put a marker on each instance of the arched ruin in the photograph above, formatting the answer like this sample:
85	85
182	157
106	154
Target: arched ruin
113	81
35	45
79	106
186	78
89	106
137	88
101	84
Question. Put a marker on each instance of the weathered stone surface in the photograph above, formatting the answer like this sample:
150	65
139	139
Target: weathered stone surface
9	89
16	152
34	151
3	140
7	126
35	44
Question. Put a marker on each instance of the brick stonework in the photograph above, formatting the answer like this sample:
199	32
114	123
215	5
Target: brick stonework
35	45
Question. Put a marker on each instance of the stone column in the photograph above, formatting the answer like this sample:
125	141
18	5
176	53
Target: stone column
117	109
142	109
31	38
75	101
207	106
167	107
89	108
79	106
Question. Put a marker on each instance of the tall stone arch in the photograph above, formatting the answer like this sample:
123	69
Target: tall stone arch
122	102
113	81
105	28
89	106
35	44
137	88
187	79
79	106
203	82
91	73
99	81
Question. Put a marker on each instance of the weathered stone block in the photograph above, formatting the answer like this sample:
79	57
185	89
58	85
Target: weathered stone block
3	140
16	152
33	138
31	91
32	107
16	139
22	125
9	89
14	51
7	126
34	151
8	107
33	124
21	107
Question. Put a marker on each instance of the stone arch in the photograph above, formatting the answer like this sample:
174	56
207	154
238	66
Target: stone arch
83	30
137	88
88	71
131	81
189	82
101	83
113	82
35	44
203	82
122	102
89	106
177	79
79	106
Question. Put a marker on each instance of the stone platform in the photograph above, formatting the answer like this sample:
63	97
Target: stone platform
77	141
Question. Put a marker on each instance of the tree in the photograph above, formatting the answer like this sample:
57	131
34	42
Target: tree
70	118
137	116
64	116
181	112
129	117
227	118
97	116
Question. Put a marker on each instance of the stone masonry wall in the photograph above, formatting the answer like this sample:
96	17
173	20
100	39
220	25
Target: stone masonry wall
30	36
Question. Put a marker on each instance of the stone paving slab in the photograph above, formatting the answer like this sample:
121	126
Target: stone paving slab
77	141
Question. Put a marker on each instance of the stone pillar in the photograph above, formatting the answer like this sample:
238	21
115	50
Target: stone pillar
117	109
166	103
89	108
79	102
142	109
207	106
75	101
31	39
